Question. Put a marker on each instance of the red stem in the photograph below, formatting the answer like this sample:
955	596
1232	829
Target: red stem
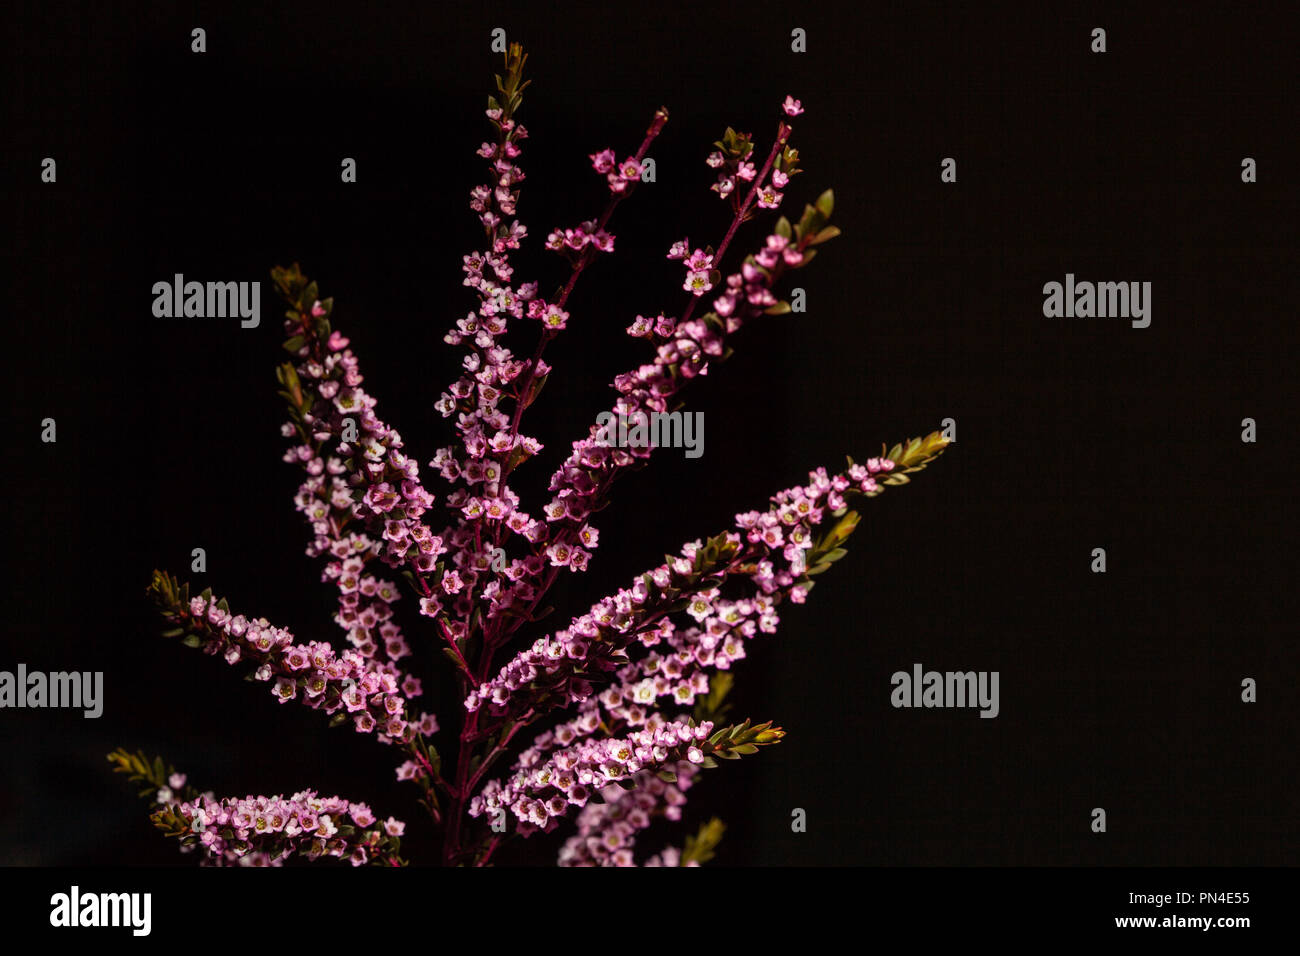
782	137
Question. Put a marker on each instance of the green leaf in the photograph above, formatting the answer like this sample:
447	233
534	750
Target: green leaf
830	232
307	298
826	203
840	533
782	307
535	389
700	848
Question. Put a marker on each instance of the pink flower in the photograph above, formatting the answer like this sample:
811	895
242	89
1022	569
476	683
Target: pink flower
699	261
554	317
792	106
697	283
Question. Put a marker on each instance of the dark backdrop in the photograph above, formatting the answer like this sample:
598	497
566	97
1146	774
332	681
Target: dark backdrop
1118	690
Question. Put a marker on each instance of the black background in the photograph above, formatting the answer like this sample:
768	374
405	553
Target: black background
1118	690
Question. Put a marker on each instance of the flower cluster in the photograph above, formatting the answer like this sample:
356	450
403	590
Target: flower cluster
607	831
346	684
699	266
571	242
592	643
540	794
620	176
383	490
491	443
266	831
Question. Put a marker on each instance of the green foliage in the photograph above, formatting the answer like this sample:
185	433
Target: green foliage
734	146
787	161
911	456
908	457
700	848
172	824
730	742
152	773
139	768
509	86
813	223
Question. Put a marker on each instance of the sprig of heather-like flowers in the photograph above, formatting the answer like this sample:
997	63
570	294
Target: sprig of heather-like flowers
374	694
261	831
571	777
491	443
684	347
770	548
267	831
644	690
327	404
